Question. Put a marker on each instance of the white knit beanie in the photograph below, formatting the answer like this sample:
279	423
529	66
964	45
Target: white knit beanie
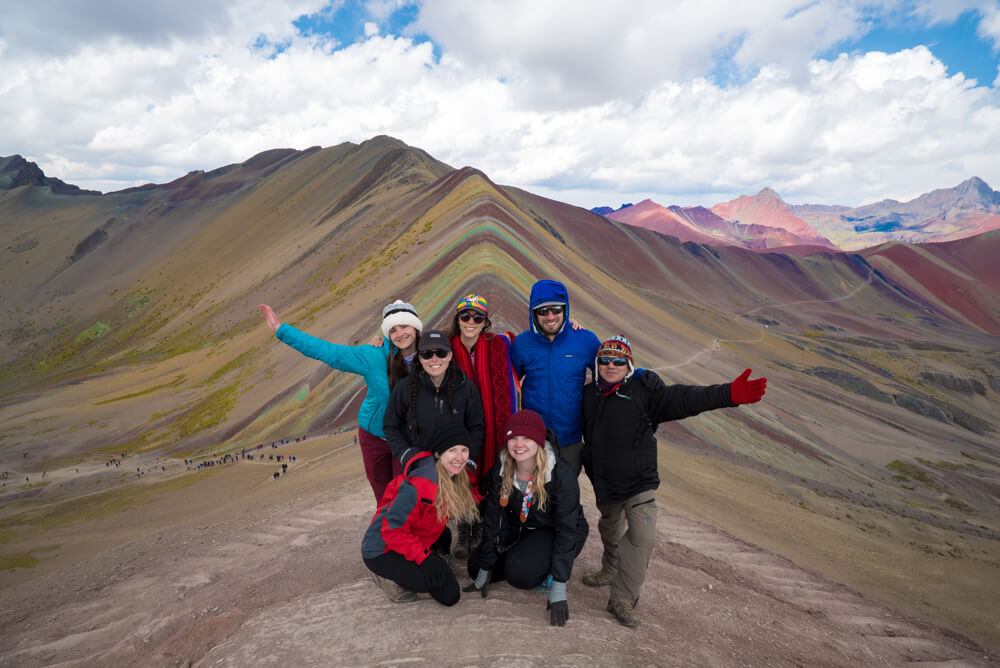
399	313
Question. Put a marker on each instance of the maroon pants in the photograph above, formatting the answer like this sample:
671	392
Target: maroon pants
380	466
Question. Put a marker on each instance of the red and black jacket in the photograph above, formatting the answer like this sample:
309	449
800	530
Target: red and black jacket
406	520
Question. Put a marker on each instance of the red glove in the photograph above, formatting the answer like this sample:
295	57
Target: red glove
744	391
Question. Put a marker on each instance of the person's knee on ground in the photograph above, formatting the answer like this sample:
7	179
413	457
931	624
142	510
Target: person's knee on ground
441	582
526	571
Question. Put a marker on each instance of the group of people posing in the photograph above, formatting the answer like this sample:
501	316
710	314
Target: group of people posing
490	431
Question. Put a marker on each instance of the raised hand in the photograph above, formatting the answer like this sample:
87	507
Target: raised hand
269	316
746	391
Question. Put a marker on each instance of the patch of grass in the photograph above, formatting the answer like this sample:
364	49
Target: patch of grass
209	412
174	383
243	362
6	536
94	332
94	507
911	471
957	504
11	561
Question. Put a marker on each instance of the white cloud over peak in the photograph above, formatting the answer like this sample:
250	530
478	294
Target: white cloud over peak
610	106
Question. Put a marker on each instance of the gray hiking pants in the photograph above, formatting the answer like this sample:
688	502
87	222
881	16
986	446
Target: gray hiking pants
628	530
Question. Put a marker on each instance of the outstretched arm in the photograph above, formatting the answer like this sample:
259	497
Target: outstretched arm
269	316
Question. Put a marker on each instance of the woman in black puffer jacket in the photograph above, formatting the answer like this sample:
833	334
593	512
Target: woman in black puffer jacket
533	524
435	393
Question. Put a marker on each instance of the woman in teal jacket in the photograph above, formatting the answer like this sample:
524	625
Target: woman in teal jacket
381	367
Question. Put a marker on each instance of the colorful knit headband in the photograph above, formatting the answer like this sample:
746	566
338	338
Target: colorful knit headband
616	346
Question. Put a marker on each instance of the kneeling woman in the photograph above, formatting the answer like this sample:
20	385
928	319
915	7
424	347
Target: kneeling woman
533	524
409	534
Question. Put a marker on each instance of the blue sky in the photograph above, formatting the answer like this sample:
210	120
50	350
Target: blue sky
955	43
825	101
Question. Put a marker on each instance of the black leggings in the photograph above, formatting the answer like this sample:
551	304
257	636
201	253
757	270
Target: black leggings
417	577
526	565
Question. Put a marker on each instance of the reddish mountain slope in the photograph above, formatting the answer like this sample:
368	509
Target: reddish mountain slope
767	209
751	222
653	216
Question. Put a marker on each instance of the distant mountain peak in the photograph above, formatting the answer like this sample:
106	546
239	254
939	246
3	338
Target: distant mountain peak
768	194
15	172
977	189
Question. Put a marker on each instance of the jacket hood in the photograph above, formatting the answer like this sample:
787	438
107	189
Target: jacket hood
547	291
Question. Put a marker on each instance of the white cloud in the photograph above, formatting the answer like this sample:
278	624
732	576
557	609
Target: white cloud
612	105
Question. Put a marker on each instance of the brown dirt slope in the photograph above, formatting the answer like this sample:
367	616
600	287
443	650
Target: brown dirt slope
274	577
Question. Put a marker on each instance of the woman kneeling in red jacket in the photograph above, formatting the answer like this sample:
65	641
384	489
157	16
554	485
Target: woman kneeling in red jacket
406	540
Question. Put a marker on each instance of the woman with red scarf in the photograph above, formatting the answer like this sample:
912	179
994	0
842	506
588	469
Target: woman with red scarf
485	358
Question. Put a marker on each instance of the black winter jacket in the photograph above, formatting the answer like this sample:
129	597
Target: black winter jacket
406	439
563	514
619	451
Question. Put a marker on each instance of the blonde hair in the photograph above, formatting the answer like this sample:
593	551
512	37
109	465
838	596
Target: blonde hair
454	497
538	495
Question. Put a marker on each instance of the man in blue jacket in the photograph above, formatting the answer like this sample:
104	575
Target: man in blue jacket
552	360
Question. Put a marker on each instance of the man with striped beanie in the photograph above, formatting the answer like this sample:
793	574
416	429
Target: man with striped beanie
620	417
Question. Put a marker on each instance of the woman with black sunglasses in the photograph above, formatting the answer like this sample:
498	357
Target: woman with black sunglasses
485	358
436	393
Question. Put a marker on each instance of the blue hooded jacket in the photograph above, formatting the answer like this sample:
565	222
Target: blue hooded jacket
554	371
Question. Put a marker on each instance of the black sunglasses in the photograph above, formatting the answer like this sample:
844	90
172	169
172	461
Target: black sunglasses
617	361
466	316
545	310
427	354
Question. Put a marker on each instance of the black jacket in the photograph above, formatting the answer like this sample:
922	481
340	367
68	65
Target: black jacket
619	451
563	514
406	439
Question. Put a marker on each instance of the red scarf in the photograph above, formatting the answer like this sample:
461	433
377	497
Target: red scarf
490	373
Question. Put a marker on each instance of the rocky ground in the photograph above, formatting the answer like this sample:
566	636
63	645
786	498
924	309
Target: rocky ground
242	569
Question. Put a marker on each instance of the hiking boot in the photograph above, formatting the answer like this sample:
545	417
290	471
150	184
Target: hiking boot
477	535
599	578
624	613
461	549
395	593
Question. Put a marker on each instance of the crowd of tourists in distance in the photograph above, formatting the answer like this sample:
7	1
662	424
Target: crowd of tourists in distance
489	431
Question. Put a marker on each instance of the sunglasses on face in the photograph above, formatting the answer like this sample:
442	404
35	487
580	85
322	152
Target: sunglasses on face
545	310
617	361
427	354
466	316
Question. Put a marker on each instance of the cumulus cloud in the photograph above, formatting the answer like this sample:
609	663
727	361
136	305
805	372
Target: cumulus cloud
606	52
609	107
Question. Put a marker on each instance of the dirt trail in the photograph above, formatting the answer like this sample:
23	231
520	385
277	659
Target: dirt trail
279	581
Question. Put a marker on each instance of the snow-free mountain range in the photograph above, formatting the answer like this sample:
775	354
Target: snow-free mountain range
765	221
130	324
